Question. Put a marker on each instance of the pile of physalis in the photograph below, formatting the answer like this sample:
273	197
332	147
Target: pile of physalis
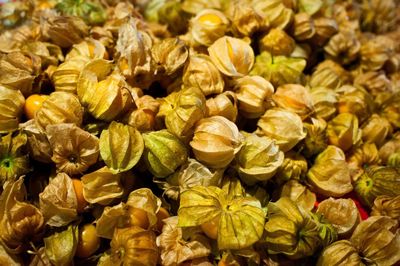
200	132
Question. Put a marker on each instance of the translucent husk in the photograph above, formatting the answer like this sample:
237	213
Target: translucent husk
387	206
361	157
60	247
74	150
245	20
224	104
391	147
376	129
65	77
316	139
90	48
324	100
325	28
278	15
343	131
11	105
169	55
303	27
283	126
299	194
328	74
50	54
277	42
111	218
330	174
294	166
216	141
343	47
338	253
143	118
193	6
375	52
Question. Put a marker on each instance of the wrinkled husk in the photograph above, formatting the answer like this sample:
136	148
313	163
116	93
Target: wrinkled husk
216	141
258	159
316	139
343	47
143	118
181	244
74	150
163	152
90	48
60	247
389	148
325	28
11	104
299	194
376	129
111	218
378	16
283	126
324	101
339	253
387	206
278	15
169	55
341	213
50	54
303	27
121	147
294	166
224	104
343	131
330	174
38	143
134	246
364	156
245	20
58	201
277	42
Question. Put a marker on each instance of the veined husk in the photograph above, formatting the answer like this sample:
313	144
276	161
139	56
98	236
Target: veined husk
258	159
144	117
391	110
14	39
284	126
50	54
330	174
341	252
387	206
216	141
343	47
11	105
74	150
389	148
111	218
60	107
343	131
240	220
90	48
182	110
201	73
295	98
172	14
294	166
316	139
361	157
375	52
299	194
193	6
58	201
253	95
341	213
121	147
102	186
378	16
60	247
134	246
38	143
377	84
275	12
245	20
376	129
328	74
303	27
20	221
325	28
207	26
324	101
287	221
91	12
233	57
169	55
277	42
377	239
279	70
224	104
163	152
181	244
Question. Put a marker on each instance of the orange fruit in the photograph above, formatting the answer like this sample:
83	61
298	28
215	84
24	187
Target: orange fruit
161	215
78	187
33	103
88	241
210	228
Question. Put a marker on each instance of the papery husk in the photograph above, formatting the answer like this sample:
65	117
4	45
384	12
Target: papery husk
11	105
102	186
299	194
343	47
376	129
324	101
303	27
341	213
38	143
111	218
310	7
216	141
7	258
233	187
277	42
295	98
90	48
286	222
121	147
325	28
208	26
74	150
60	247
376	83
278	70
364	156
58	201
378	240
245	20
181	244
14	158
389	148
391	110
193	6
328	74
50	54
172	14
40	258
343	131
294	166
330	174
387	206
275	12
241	220
12	14
375	52
258	159
60	107
233	57
14	39
134	246
254	95
316	140
143	118
169	55
163	152
224	104
378	16
65	77
341	252
283	126
19	71
92	12
327	232
201	73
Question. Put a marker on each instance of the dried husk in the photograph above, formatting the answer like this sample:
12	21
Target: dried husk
325	28
7	258
169	55
341	213
375	52
303	27
12	14
163	152
286	222
50	54
376	83
391	110
365	155
376	129
316	139
60	107
341	252
294	166
111	218
58	201
201	73
143	118
38	143
377	239
233	57
324	101
295	98
102	186
121	147
74	150
216	141
208	26
378	16
134	246
389	148
277	42
224	104
253	95
283	126
60	247
258	159
278	70
11	105
330	174
178	245
13	39
172	14
343	131
275	12
241	220
343	47
90	48
299	194
328	74
387	206
245	20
